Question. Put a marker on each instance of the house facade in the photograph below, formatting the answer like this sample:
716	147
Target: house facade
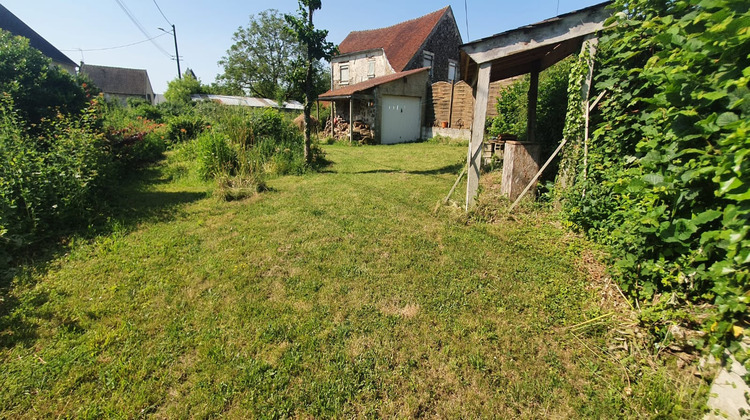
431	41
380	79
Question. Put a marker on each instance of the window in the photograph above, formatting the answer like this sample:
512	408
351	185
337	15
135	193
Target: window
344	74
427	60
370	68
452	71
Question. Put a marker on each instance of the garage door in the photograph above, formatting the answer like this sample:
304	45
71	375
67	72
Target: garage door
401	119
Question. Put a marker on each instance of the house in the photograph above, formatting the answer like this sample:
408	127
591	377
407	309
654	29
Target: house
380	78
118	83
14	25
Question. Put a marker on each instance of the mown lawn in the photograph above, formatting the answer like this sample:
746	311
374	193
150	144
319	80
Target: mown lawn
336	294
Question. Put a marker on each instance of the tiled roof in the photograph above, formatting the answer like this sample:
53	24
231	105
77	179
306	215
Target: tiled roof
118	80
368	84
400	41
14	25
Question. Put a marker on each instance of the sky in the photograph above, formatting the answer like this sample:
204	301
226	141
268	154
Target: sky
87	30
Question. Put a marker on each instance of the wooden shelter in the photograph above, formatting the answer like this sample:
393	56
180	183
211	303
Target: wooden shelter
528	49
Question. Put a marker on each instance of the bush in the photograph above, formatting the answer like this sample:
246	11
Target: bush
38	89
512	106
668	185
215	156
46	189
185	127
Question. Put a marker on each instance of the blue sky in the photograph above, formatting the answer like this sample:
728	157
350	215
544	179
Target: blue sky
205	28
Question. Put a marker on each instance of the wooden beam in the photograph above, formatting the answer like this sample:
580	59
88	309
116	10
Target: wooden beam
474	156
550	32
531	111
351	120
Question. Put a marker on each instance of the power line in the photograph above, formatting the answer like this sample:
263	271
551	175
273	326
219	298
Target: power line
162	13
119	46
466	13
141	28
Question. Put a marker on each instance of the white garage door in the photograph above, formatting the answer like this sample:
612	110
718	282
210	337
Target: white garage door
401	119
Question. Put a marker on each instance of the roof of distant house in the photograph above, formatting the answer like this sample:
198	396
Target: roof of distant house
347	91
400	42
247	101
119	80
14	25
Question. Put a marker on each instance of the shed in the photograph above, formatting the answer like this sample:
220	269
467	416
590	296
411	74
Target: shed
528	49
392	107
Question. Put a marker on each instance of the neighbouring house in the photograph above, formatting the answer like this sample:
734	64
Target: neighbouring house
118	83
248	101
14	25
380	78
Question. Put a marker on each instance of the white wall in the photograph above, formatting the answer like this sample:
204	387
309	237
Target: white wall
359	64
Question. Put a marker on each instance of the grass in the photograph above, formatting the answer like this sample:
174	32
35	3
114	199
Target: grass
336	294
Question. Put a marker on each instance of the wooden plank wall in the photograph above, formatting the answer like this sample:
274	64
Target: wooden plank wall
463	102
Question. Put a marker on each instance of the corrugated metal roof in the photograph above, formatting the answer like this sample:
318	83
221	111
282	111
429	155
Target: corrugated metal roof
247	101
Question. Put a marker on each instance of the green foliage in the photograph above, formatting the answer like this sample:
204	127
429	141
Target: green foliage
264	59
215	155
668	178
39	90
180	89
48	186
185	127
513	102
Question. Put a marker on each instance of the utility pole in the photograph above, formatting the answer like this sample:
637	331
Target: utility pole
176	52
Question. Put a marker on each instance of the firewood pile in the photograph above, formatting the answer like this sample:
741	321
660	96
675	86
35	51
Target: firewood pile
339	129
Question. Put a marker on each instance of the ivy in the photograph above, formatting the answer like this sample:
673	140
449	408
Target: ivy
668	181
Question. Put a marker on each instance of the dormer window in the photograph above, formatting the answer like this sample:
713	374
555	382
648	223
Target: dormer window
427	59
344	74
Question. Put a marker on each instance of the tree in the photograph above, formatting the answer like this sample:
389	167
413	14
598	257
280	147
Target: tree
39	89
316	48
261	61
179	90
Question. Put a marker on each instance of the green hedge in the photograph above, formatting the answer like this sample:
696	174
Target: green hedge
668	175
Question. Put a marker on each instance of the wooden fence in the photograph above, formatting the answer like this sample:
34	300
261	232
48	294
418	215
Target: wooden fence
454	103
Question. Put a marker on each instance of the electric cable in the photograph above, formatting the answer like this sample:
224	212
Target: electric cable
141	28
119	46
162	13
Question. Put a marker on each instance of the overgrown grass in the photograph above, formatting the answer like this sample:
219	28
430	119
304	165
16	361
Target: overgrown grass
335	294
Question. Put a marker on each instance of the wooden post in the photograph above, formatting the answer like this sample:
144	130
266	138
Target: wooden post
351	119
474	156
450	108
532	95
590	42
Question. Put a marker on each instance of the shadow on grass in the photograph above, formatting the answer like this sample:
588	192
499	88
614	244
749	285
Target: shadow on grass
447	169
130	202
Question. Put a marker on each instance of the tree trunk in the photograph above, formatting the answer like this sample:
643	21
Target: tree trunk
308	94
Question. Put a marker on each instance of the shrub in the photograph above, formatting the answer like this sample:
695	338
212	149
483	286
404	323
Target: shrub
185	127
39	90
47	187
215	156
668	185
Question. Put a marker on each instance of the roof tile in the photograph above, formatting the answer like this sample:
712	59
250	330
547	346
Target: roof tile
400	42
